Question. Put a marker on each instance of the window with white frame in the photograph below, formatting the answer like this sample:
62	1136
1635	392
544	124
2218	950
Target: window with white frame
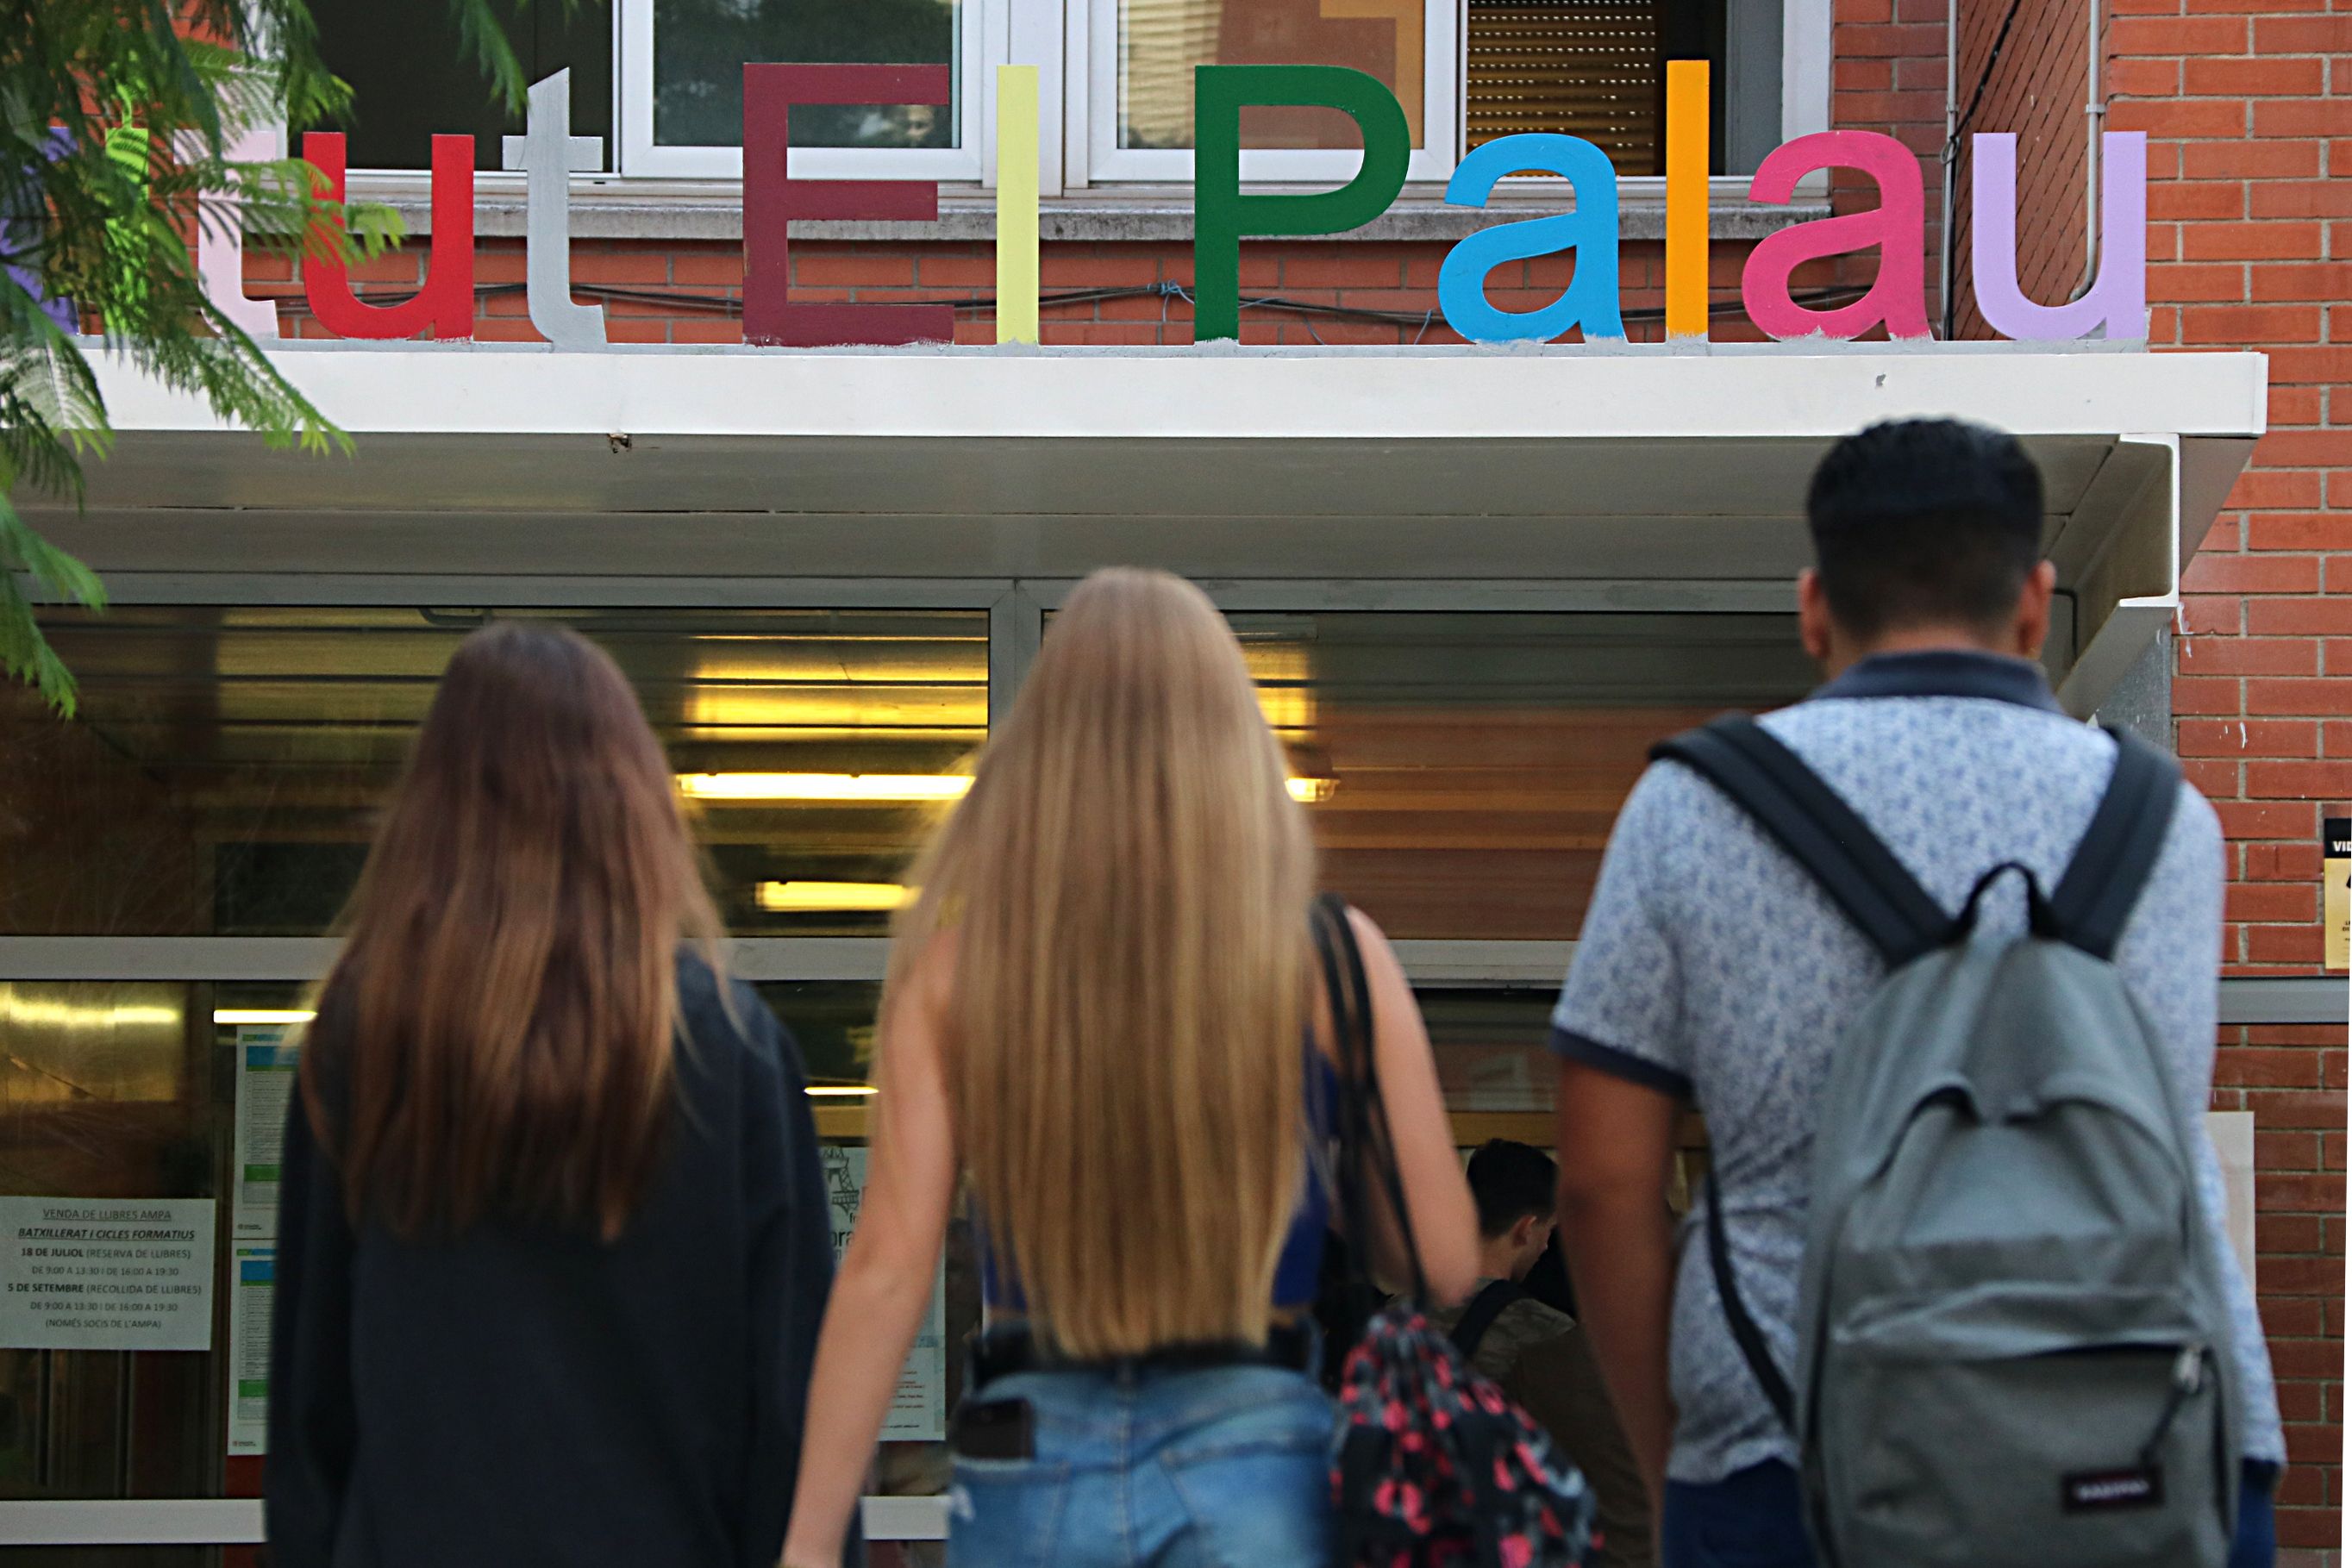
410	77
1142	55
1465	72
680	82
660	81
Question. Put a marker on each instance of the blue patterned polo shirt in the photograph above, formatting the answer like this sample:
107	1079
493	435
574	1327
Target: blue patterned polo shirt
1713	970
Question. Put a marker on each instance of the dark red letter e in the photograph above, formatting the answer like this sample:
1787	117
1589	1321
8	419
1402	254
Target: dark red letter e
771	199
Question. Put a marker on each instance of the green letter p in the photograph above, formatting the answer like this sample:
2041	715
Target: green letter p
1222	214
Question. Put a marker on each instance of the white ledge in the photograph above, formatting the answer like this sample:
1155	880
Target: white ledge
1227	391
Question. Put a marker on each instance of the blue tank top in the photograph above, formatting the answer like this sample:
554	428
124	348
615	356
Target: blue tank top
1295	1275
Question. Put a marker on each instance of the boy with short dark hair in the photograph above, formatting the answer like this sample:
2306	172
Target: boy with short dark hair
1712	969
1536	1353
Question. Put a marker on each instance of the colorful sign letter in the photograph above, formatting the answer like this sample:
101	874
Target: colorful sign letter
547	222
220	235
1016	204
1897	228
24	213
446	303
2117	301
1222	214
773	199
1589	301
1686	198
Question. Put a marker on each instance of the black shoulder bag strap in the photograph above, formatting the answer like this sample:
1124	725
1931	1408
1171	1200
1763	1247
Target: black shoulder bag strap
1885	902
1493	1300
1366	1149
2119	849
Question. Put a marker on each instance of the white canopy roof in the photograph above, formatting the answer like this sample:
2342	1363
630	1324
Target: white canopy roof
1627	465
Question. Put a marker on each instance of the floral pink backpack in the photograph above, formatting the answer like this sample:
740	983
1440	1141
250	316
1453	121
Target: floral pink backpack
1433	1465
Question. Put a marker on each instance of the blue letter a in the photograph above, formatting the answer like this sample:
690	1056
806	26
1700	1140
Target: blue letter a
1590	299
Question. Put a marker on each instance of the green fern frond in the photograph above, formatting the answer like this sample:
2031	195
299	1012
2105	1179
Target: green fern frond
51	411
480	32
116	121
24	650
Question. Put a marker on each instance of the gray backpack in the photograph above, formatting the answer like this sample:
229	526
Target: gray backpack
2013	1345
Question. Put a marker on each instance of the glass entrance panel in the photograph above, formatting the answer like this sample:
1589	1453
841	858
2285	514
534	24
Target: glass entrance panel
138	1125
220	778
1463	770
172	1098
221	774
1493	1065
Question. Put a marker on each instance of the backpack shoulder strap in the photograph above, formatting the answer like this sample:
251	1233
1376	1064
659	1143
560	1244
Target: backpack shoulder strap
1735	1315
1489	1303
1820	831
2119	849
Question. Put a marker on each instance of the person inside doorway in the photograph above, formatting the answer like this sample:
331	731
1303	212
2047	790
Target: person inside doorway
1538	1355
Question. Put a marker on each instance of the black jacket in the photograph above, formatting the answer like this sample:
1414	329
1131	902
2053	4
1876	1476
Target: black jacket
525	1396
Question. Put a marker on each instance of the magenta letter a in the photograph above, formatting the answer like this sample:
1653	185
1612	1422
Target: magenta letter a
1897	228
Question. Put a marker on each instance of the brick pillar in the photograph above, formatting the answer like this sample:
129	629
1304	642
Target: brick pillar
2248	114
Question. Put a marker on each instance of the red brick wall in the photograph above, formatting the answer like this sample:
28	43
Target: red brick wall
2250	236
2293	1079
2248	107
1888	78
691	293
2024	72
1888	75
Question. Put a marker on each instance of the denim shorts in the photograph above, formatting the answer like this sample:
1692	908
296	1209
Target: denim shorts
1209	1467
1756	1519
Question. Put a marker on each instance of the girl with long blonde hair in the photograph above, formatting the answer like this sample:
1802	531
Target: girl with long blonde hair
1103	1008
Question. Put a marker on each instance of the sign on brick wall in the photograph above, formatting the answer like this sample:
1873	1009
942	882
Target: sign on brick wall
2336	872
1226	213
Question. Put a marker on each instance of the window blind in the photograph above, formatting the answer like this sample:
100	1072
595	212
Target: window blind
1592	68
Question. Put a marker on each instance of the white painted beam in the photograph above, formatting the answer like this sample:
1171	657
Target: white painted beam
1335	395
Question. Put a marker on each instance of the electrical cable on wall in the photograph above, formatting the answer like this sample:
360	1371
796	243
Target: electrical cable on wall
728	304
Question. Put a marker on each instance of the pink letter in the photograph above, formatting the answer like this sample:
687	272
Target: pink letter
446	303
2117	301
220	236
1896	227
771	199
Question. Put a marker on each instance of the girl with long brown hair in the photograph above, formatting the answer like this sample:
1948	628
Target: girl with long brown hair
553	1243
1101	1005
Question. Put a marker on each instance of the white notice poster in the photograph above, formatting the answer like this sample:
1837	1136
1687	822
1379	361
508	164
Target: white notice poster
95	1274
2233	1141
919	1411
255	1272
265	1090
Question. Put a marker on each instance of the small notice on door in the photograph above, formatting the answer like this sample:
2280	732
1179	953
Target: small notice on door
251	1283
265	1090
2336	901
94	1274
918	1408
